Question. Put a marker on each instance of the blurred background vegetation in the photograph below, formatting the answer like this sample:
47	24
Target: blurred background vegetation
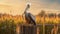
8	23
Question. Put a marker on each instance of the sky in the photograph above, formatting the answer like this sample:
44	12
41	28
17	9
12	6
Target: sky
17	7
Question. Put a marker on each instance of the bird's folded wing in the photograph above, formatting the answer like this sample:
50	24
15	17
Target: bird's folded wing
33	17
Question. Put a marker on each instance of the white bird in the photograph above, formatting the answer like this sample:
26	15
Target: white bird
28	16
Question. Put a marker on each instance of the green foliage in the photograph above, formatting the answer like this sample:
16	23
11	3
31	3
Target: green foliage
7	27
48	28
40	29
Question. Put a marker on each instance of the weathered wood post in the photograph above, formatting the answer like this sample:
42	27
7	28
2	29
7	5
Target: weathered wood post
17	29
38	30
28	29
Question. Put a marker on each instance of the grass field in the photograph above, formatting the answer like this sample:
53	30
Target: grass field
7	27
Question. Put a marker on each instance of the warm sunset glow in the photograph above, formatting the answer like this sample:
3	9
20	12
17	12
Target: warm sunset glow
17	7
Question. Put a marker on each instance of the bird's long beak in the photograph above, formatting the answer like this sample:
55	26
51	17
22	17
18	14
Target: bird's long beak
23	13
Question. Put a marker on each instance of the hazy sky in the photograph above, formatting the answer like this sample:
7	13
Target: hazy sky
18	6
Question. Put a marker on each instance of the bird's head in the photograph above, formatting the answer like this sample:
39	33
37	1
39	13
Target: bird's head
28	4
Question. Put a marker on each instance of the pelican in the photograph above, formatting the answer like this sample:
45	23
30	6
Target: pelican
28	16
